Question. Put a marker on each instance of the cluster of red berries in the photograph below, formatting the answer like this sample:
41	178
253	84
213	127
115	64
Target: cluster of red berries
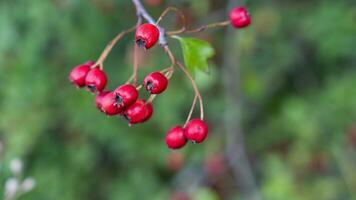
196	131
124	100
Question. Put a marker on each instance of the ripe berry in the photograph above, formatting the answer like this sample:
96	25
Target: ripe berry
99	98
138	112
106	103
95	80
155	82
78	73
147	35
196	130
240	17
126	95
175	138
149	110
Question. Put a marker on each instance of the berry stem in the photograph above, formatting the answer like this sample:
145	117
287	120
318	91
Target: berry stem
109	47
151	98
173	62
191	110
200	29
178	12
135	65
195	87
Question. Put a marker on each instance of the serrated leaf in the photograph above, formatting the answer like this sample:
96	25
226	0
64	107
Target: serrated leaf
196	53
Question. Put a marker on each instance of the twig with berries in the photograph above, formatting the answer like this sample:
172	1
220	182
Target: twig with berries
125	101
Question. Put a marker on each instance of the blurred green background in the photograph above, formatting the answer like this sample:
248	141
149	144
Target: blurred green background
296	102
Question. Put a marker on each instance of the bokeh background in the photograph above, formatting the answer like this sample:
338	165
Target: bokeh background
280	101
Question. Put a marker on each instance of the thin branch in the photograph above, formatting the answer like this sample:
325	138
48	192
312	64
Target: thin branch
195	87
200	29
109	47
135	64
191	110
179	13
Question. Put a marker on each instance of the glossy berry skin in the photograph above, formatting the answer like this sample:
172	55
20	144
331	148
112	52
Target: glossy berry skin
240	17
149	112
147	35
196	130
138	112
106	103
175	138
155	82
78	73
99	99
126	95
96	80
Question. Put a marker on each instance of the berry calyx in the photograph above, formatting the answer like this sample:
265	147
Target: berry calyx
196	130
125	95
78	73
106	103
175	138
138	112
96	80
147	35
240	17
155	82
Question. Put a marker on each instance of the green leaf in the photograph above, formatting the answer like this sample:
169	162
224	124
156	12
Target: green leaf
196	53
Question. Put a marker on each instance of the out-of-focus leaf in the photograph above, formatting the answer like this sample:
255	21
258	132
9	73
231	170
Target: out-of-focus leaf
196	53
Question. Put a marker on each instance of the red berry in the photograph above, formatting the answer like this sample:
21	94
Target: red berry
126	95
175	138
78	73
147	35
149	110
99	98
106	102
155	82
138	112
196	130
240	17
95	80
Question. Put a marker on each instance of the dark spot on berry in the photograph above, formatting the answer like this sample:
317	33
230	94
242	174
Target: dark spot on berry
141	43
92	88
149	85
119	100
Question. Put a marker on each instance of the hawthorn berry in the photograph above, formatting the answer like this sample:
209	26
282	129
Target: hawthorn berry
78	73
155	82
175	138
106	103
196	130
149	110
96	80
99	98
125	95
138	112
147	35
240	17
